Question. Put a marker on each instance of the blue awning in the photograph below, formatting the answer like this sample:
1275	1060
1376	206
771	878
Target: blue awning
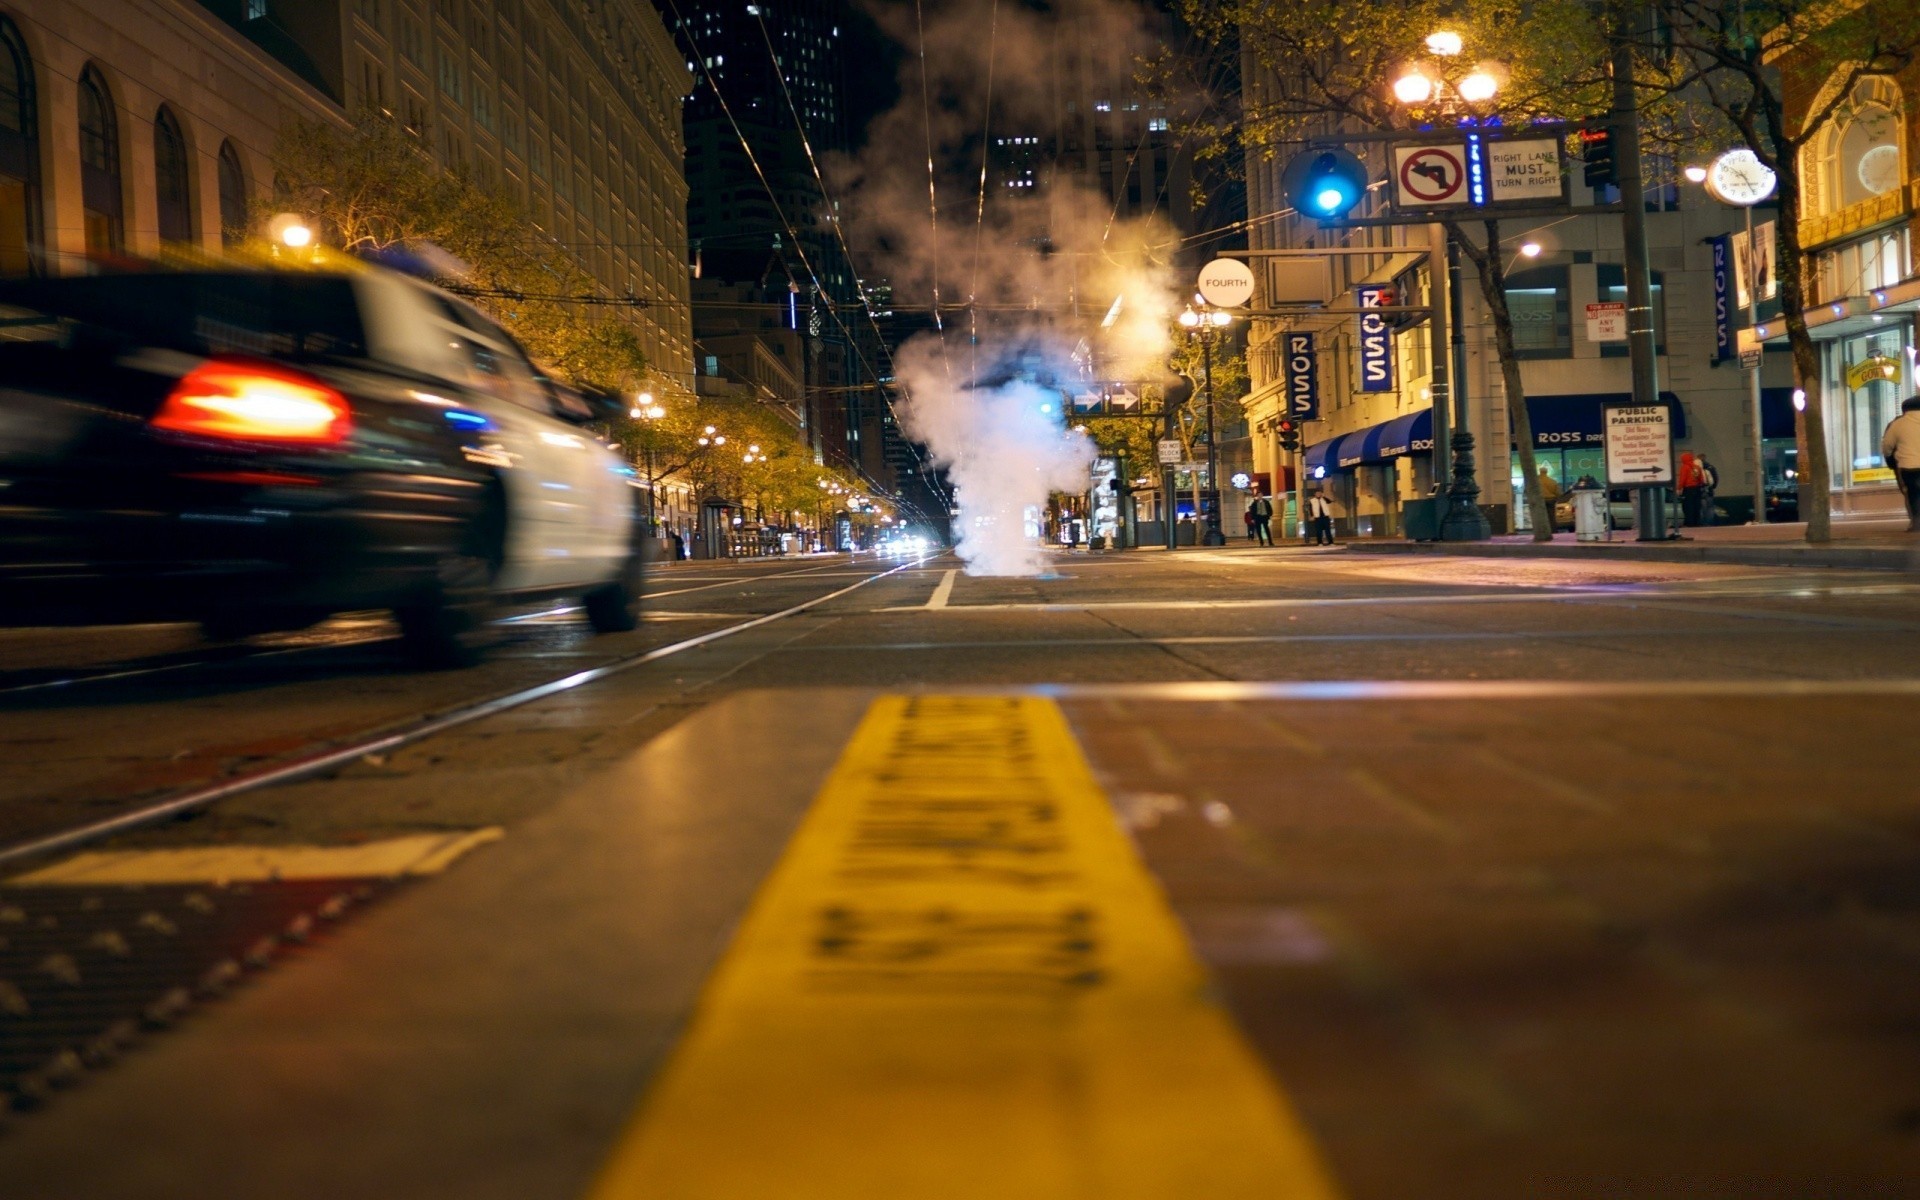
1410	434
1319	455
1562	421
1777	418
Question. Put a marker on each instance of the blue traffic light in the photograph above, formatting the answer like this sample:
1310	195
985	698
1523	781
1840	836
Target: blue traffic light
1324	183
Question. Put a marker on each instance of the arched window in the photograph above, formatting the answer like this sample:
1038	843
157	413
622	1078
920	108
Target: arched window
1857	155
233	197
19	155
99	165
170	174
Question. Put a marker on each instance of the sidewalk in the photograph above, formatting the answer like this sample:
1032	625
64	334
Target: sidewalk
1870	544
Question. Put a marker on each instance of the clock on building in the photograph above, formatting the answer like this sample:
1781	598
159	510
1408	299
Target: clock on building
1739	177
1879	169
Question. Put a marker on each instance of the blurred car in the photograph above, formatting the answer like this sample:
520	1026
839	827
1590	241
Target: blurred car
1620	510
256	450
1783	501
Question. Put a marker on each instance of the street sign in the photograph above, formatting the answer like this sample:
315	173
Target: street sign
1607	321
1168	451
1376	340
1226	283
1749	359
1639	445
1430	176
1303	378
1525	170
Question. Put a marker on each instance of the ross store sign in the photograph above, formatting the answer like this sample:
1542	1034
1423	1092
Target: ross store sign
1607	321
1376	340
1525	170
1639	445
1722	298
1303	378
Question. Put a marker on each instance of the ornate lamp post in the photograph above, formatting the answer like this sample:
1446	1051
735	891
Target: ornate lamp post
644	409
1442	87
1205	325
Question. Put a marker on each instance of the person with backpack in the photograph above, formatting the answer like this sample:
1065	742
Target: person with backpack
1900	450
1260	521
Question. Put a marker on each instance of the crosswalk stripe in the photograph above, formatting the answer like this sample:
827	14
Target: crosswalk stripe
960	981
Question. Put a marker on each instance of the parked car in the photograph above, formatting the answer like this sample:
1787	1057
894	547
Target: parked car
256	450
1620	510
1783	501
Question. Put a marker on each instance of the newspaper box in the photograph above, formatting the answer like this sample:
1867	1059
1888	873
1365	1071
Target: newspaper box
1591	521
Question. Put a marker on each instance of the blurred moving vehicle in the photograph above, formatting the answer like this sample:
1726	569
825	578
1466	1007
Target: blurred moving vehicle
258	449
1620	510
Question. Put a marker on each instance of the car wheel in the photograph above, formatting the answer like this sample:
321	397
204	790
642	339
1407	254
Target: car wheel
450	622
615	607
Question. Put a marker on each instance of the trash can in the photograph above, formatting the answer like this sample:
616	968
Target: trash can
1590	517
1420	519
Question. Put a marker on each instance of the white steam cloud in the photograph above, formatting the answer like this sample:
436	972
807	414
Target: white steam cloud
1023	280
1003	448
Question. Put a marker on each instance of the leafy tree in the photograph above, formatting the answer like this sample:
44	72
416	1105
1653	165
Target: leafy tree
1314	68
1775	72
372	186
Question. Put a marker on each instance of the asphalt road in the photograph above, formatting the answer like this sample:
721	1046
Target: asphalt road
1523	877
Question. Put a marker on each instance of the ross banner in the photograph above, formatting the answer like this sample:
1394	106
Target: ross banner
1303	378
1722	297
1376	340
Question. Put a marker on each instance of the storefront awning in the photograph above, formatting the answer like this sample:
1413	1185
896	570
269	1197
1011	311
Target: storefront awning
1411	433
1841	318
1577	420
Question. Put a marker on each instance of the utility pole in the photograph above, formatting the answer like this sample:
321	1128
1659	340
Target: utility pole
1642	348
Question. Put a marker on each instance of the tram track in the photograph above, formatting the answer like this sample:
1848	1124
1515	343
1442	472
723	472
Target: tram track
322	755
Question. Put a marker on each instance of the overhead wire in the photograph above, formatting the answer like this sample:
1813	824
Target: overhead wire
833	220
980	208
753	159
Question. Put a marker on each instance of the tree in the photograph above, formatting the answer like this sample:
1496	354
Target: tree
373	187
1324	67
1776	72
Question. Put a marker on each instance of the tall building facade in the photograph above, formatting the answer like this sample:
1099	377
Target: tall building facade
129	124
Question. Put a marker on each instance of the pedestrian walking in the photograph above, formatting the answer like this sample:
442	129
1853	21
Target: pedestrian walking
1900	448
1260	520
1690	484
1549	487
1320	513
1248	518
1709	484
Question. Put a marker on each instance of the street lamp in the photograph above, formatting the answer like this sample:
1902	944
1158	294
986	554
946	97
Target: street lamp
644	409
1206	323
1429	90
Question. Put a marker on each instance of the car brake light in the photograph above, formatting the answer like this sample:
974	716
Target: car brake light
255	402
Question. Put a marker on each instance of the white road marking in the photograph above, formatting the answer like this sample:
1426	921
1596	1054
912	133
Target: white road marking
943	591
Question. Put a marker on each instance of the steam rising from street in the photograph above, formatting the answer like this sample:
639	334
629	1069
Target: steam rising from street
1020	278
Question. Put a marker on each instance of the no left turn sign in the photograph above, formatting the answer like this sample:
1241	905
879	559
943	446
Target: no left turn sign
1430	176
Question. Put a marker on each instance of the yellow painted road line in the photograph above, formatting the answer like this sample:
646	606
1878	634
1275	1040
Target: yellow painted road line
960	982
419	854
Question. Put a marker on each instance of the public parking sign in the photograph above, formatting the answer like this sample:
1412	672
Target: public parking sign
1639	445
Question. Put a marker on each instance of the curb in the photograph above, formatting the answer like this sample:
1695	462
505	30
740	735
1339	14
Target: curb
1875	558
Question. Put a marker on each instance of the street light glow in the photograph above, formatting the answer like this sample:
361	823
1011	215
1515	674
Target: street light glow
1481	84
1696	174
1530	249
1414	87
1190	319
1444	42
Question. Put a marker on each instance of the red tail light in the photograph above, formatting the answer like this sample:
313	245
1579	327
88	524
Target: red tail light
255	402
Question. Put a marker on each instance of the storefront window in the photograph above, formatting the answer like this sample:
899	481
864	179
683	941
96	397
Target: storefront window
19	155
1538	301
1866	379
1861	266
